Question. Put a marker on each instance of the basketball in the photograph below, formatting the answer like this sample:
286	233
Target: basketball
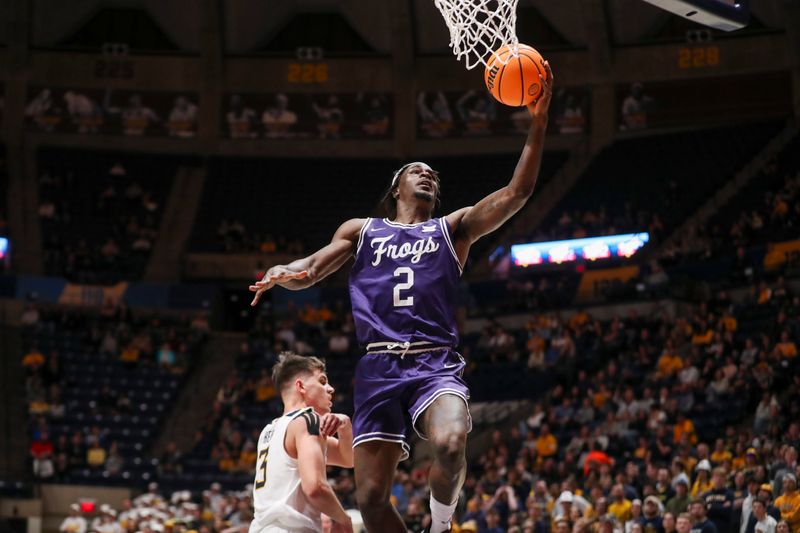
517	82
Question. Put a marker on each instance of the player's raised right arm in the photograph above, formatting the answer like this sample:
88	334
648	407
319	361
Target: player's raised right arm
307	271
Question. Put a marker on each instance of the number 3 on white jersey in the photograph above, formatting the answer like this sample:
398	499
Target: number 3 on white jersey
407	284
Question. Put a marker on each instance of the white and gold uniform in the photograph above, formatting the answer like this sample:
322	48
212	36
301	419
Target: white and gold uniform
279	501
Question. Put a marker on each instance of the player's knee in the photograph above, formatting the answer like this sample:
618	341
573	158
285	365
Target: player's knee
371	497
449	445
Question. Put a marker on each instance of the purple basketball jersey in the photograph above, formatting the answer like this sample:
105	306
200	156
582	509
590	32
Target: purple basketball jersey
404	283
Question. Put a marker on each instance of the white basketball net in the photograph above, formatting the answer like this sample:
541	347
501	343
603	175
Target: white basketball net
479	27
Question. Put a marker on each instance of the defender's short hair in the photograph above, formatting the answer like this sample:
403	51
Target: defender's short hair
290	365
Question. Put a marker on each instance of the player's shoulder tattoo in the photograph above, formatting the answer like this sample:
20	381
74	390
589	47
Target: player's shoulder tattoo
312	422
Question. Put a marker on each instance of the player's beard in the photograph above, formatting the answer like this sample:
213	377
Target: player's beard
422	195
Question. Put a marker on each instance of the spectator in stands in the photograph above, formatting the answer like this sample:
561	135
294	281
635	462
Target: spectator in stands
701	524
131	354
41	452
74	523
765	492
228	394
636	516
436	119
167	358
114	462
109	345
150	498
492	522
278	119
747	503
85	113
670	362
763	523
719	501
247	457
763	412
330	118
41	109
668	523
651	520
789	502
720	454
33	361
635	108
679	475
683	524
787	465
663	444
786	348
376	116
226	462
36	395
182	120
620	506
42	445
702	481
241	119
29	317
265	388
96	455
663	487
546	443
740	492
338	343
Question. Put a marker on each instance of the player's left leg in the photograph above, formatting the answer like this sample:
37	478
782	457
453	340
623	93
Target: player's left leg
446	423
375	467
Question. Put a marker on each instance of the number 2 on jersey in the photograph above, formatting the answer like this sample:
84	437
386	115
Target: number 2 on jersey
407	284
263	468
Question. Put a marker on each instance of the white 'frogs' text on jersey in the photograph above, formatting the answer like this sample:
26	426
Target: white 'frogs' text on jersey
278	498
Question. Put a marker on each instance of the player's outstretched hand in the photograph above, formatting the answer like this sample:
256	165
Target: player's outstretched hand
538	109
274	276
331	423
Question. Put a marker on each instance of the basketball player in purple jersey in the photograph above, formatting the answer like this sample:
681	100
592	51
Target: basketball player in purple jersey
403	287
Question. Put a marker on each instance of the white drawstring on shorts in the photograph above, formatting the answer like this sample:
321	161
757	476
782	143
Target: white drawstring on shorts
404	345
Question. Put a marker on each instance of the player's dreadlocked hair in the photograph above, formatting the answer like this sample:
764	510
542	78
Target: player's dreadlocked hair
390	202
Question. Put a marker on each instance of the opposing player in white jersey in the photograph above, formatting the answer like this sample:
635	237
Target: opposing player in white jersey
291	489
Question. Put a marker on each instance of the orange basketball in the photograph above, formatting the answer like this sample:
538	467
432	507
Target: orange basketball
517	82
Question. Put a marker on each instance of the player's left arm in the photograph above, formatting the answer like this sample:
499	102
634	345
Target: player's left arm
471	223
339	432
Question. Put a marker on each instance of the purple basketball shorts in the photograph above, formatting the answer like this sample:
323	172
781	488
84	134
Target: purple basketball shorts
392	391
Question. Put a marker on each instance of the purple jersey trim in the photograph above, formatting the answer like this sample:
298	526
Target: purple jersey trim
399	440
361	234
446	232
